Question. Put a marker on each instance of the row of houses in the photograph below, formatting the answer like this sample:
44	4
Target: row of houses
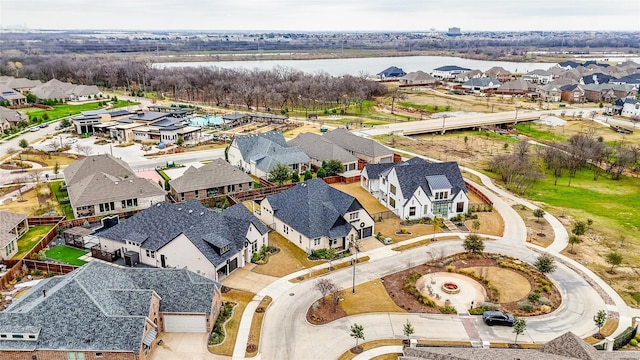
566	81
14	90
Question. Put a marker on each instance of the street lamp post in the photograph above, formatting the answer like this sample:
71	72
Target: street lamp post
444	118
353	288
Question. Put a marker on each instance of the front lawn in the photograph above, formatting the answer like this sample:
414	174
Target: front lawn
30	239
67	254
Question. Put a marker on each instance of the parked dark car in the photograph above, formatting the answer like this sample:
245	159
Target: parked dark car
497	318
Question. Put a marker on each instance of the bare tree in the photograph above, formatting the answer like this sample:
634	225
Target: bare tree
85	150
325	286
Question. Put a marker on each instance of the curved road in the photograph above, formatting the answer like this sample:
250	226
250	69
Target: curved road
286	334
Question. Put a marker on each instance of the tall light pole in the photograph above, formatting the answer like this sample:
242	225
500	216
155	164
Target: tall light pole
353	289
444	118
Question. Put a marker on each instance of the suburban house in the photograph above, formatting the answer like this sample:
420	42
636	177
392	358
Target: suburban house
21	85
106	312
56	89
596	78
632	79
87	120
516	87
416	189
11	96
608	92
313	215
12	226
499	73
567	346
213	179
538	76
417	78
391	72
572	93
467	75
551	92
448	72
10	118
631	108
367	150
258	154
481	84
103	185
188	235
320	149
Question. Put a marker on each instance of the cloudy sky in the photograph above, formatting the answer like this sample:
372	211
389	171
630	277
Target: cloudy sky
322	15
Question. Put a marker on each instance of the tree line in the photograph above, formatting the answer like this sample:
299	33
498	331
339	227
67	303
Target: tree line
277	90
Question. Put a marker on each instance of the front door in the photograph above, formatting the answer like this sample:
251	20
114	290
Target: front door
162	261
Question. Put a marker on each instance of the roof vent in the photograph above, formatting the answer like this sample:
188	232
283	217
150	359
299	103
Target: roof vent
158	204
190	211
179	208
116	183
131	180
201	213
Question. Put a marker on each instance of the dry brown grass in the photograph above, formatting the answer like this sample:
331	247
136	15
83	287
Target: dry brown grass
27	207
609	327
491	223
256	326
541	227
241	298
50	161
370	203
302	129
323	271
360	302
422	242
289	260
511	285
370	345
392	356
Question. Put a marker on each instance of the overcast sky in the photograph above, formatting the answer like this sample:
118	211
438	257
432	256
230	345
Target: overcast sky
322	15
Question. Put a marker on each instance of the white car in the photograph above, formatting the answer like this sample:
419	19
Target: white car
34	129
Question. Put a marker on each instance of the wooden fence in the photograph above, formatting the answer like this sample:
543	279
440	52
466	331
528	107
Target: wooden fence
49	267
15	266
383	215
478	193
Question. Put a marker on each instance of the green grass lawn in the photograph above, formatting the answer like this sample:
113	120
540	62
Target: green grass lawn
30	239
62	110
534	131
59	195
67	254
613	204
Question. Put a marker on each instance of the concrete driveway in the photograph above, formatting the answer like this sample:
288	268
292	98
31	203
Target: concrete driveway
184	346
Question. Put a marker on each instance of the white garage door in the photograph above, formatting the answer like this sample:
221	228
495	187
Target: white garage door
185	323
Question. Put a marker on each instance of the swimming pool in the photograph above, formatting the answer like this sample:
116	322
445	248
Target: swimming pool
205	121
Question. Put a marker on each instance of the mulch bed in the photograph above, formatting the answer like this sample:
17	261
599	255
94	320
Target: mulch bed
394	284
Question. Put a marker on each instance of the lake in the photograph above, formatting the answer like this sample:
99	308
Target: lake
365	66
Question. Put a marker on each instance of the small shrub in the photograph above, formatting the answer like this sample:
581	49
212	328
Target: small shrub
525	306
448	310
18	278
36	272
543	300
450	268
633	342
533	298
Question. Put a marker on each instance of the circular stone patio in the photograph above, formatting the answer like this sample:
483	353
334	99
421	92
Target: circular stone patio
431	285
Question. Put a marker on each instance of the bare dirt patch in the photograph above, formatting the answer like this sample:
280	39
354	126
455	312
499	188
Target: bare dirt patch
539	231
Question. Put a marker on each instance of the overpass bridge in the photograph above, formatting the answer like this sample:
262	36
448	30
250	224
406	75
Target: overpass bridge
445	123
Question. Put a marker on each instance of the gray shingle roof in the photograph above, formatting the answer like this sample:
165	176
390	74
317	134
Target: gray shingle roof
420	173
215	174
374	170
100	307
158	225
321	149
314	209
354	143
8	221
112	176
268	150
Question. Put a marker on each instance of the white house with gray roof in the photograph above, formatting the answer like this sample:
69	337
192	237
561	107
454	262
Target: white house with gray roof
313	215
416	189
103	185
188	235
259	154
321	149
369	151
107	312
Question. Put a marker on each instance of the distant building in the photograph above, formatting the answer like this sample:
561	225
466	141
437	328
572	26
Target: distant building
391	72
454	31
